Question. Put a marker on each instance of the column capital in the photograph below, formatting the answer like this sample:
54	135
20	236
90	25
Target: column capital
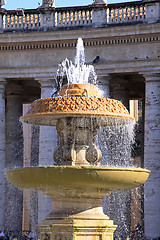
103	84
47	86
2	83
151	76
103	78
46	81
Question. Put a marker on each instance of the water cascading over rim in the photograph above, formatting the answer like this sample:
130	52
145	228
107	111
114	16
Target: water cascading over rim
77	112
76	98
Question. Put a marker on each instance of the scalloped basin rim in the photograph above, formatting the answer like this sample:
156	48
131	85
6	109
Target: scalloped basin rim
77	177
74	106
50	119
74	114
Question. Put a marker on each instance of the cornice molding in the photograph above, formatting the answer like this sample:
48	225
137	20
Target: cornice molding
107	67
152	76
72	43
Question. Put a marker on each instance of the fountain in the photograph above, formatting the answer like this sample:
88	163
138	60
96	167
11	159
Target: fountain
77	183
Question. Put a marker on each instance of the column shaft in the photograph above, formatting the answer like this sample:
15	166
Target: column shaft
47	145
2	151
48	135
152	156
120	151
14	157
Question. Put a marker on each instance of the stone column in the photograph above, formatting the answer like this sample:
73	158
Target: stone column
14	156
104	86
152	156
47	145
2	151
120	149
48	135
116	205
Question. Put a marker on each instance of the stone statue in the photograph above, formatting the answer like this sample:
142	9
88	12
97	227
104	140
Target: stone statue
48	3
2	2
99	2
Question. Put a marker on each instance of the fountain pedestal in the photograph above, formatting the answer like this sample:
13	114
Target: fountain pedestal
78	229
77	216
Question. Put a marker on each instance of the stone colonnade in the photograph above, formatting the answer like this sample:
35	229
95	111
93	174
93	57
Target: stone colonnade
11	152
47	144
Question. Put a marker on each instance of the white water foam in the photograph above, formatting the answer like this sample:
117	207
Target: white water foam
77	72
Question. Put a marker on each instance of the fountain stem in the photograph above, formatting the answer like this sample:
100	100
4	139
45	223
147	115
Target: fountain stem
76	142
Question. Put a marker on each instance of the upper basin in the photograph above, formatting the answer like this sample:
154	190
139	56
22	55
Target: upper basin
76	100
77	177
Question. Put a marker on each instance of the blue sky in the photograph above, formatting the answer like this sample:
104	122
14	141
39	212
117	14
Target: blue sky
14	4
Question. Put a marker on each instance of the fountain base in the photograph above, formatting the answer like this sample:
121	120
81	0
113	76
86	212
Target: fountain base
77	193
89	225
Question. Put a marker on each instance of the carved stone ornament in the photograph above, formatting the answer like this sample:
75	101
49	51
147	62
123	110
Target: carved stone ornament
46	236
60	237
48	3
2	2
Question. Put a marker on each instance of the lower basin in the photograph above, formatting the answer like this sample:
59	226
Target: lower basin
72	177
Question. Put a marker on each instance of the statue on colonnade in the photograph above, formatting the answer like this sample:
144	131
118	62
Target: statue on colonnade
2	3
99	2
48	3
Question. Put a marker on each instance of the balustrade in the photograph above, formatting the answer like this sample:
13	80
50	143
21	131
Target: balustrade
127	13
80	16
73	16
21	20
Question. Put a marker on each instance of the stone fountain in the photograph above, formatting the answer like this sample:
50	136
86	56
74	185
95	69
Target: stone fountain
77	183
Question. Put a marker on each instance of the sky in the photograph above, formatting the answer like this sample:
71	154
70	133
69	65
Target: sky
31	4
